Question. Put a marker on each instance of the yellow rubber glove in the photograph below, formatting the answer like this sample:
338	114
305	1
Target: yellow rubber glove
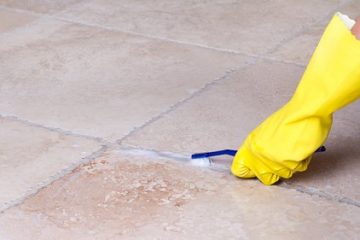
284	143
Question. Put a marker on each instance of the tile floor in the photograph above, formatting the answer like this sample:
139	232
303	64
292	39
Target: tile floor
103	101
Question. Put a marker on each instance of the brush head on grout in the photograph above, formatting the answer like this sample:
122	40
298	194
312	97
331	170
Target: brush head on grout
200	162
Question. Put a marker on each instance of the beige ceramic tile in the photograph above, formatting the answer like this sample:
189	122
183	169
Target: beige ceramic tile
31	157
248	26
222	118
10	20
119	196
300	49
40	6
97	82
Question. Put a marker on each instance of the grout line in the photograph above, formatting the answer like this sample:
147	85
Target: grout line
185	100
288	62
149	36
52	129
263	56
190	44
184	158
35	189
319	193
133	150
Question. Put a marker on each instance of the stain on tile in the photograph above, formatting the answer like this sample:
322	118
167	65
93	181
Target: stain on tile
122	196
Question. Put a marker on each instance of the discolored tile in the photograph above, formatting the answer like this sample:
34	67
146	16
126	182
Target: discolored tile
98	82
122	196
251	27
40	6
30	157
10	20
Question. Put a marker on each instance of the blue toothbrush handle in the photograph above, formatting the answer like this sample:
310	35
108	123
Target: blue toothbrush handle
232	153
212	154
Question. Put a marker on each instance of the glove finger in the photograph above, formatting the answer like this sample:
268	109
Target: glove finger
240	170
303	165
268	178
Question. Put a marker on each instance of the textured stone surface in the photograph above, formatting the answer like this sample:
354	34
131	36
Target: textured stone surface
30	157
248	26
98	82
119	196
158	75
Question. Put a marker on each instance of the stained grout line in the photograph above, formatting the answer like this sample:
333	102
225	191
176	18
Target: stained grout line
146	152
319	193
37	188
56	130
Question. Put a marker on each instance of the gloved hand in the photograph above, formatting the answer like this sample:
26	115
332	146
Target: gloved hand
284	143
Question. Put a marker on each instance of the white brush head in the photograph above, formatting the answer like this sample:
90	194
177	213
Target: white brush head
200	162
